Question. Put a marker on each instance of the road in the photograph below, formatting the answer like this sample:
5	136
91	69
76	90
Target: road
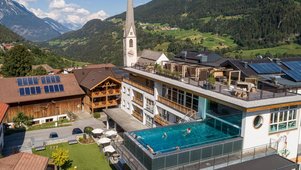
24	141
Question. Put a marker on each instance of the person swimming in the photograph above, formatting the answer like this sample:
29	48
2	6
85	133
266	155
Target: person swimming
150	149
164	136
188	130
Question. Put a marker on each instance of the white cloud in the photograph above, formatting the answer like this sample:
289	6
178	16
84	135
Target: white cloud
68	13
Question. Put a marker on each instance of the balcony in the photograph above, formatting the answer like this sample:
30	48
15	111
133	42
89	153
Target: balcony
139	86
138	116
138	101
183	109
158	119
105	104
111	92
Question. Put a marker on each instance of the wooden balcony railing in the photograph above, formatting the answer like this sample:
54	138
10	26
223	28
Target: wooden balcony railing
185	110
139	86
138	101
161	121
104	104
138	116
110	92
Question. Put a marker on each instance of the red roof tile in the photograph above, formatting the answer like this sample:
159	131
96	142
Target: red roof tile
21	161
3	110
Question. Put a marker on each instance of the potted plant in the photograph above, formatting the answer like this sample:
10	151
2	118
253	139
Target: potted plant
211	82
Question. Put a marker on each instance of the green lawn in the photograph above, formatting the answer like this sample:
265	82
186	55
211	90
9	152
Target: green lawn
85	157
291	49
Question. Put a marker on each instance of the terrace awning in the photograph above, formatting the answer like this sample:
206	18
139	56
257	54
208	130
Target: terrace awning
126	121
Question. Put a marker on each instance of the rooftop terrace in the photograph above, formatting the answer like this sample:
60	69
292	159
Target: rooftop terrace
244	95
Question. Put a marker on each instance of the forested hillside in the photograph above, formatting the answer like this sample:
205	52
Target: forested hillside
252	23
7	35
229	27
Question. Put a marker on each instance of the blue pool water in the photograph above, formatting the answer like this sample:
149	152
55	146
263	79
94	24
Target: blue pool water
201	133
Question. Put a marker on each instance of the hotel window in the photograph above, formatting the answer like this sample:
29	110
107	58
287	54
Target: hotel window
123	89
123	102
149	121
149	105
283	119
128	91
128	105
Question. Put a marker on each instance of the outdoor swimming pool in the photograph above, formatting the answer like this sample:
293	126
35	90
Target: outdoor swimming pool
171	138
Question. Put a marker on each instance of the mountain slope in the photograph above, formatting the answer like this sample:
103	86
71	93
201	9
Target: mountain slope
56	25
7	35
23	22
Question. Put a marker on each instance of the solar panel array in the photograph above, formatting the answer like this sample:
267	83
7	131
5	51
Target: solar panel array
54	88
294	74
293	65
50	79
29	85
26	81
27	91
266	68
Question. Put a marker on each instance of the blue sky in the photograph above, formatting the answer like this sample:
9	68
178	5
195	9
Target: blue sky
77	12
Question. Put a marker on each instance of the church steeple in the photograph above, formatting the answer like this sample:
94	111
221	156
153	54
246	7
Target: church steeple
130	40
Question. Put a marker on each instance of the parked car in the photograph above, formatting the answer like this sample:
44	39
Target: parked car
53	135
76	131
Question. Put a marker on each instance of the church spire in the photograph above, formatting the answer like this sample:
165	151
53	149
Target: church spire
130	21
130	40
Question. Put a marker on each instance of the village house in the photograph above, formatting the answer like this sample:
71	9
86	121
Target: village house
44	98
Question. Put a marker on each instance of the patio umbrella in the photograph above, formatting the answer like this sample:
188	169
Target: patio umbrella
109	149
110	133
104	140
97	131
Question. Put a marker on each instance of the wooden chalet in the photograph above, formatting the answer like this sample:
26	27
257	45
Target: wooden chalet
45	98
102	87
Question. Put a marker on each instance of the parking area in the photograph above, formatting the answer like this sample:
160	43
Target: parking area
24	141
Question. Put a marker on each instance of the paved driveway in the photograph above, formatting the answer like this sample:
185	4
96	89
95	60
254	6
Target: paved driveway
24	141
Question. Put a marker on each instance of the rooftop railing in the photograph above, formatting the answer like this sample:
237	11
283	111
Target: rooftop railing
232	90
139	86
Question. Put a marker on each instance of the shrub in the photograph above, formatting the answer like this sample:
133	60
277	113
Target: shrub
96	115
88	130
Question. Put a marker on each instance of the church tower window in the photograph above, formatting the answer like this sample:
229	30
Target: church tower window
131	43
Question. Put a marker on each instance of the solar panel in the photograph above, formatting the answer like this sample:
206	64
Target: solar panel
30	81
33	90
51	88
53	80
293	65
46	89
61	87
48	80
25	81
22	91
56	88
20	82
58	79
294	74
265	68
43	80
35	80
27	91
38	90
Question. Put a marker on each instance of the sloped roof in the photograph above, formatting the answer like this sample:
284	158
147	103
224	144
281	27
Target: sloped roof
3	110
89	78
45	66
9	90
99	65
149	56
21	161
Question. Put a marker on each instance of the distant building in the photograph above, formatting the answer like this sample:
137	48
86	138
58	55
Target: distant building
149	57
102	87
99	65
47	68
22	161
3	110
45	98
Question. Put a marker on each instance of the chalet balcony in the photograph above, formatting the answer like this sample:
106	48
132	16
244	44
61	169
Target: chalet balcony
105	104
139	86
183	109
158	119
138	101
111	92
137	115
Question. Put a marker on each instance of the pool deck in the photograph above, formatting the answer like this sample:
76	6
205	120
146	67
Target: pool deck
124	120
